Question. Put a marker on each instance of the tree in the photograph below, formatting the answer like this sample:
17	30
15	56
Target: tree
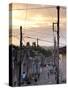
28	44
34	44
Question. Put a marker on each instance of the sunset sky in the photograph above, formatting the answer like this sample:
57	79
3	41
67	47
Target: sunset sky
36	21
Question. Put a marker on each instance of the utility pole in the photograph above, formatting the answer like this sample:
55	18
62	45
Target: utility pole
54	51
57	61
57	68
20	55
37	41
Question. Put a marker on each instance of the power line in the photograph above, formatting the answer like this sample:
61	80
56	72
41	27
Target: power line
45	33
34	8
54	7
34	39
40	39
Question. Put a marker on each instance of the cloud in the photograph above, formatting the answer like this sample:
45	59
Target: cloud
36	22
